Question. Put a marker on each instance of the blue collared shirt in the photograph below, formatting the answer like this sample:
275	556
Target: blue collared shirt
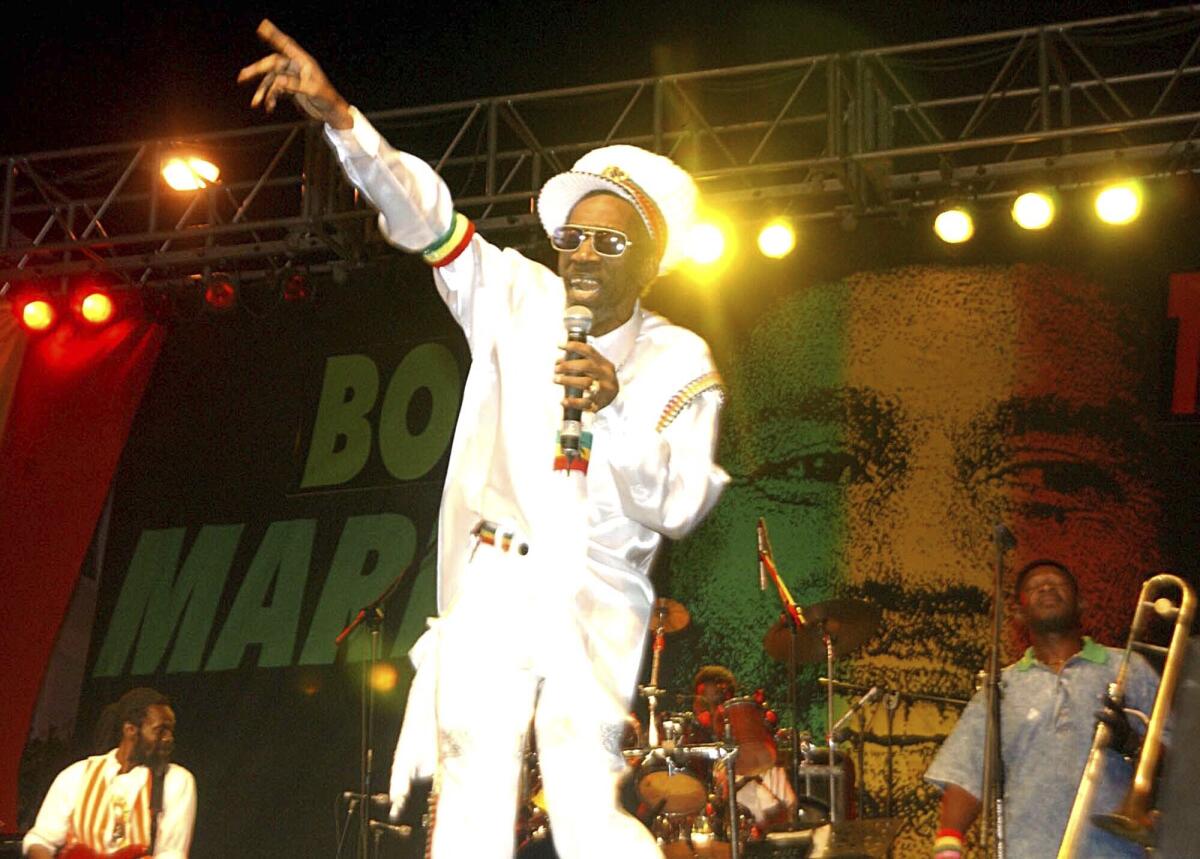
1047	724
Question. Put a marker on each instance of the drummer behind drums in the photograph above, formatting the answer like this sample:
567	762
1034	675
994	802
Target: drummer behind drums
763	786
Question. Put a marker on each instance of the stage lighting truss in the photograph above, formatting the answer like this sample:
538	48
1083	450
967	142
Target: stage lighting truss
873	133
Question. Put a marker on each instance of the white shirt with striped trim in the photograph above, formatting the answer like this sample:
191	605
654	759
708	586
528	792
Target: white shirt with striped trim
52	827
652	471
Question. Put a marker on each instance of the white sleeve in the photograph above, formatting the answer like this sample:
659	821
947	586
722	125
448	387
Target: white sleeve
416	210
668	480
54	817
178	814
415	207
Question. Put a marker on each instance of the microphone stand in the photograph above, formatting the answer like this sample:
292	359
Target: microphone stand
372	615
796	615
993	761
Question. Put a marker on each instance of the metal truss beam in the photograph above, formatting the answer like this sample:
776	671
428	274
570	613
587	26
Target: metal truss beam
867	133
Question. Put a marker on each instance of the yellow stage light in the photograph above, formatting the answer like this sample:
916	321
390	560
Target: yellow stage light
384	677
189	172
1033	210
954	225
706	243
1119	202
777	239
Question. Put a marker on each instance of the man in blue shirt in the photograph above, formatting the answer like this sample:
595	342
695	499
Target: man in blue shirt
1048	698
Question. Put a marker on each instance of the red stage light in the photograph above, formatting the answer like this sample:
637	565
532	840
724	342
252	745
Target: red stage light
96	307
38	315
296	288
220	293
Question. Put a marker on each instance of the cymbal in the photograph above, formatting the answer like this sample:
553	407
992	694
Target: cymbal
673	615
849	622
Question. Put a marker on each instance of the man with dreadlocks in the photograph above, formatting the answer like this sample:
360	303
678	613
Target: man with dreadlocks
128	798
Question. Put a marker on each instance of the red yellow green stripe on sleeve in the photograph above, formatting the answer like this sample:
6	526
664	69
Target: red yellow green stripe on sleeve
450	245
684	396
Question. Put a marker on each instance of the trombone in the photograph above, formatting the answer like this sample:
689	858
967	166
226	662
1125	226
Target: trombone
1134	818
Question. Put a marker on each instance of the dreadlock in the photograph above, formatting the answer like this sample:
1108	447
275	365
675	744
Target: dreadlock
130	707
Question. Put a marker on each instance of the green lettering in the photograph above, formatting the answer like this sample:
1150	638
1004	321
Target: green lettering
278	572
341	439
371	552
407	456
152	600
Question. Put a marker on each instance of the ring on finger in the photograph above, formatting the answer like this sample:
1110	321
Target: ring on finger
593	388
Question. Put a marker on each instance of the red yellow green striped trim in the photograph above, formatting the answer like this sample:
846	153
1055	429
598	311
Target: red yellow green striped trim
450	245
487	536
656	223
501	537
575	463
948	844
696	387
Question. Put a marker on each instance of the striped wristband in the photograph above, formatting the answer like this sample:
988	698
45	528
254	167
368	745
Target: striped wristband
948	844
451	243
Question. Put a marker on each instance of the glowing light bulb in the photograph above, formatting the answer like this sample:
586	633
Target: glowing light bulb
1119	203
1033	210
777	239
705	243
954	226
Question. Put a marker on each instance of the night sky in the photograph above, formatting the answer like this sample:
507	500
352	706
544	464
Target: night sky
78	75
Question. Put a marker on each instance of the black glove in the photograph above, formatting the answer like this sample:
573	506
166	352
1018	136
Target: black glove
1122	738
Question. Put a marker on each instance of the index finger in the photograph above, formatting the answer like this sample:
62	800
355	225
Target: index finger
269	63
279	40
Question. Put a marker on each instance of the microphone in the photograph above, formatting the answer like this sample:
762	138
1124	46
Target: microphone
396	831
1003	537
866	699
762	551
578	322
378	800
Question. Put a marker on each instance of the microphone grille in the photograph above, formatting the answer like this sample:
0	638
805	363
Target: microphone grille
578	318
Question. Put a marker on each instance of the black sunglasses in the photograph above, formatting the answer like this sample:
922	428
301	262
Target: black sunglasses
607	243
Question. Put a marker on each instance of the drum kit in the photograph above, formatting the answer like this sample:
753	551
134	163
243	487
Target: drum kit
682	764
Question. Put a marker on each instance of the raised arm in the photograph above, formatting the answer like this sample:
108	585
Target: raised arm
416	209
292	70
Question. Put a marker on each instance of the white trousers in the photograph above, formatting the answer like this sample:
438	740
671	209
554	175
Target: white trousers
510	644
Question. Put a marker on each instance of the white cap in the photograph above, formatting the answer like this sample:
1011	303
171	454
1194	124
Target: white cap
660	190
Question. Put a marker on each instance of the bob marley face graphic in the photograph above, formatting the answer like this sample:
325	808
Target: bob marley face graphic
882	426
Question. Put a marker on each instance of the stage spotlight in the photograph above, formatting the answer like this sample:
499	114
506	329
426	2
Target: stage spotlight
94	305
1119	202
954	225
37	315
189	172
1033	210
296	288
777	239
706	243
220	293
